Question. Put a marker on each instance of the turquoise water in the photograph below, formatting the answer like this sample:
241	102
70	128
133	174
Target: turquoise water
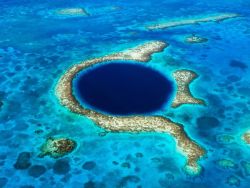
36	48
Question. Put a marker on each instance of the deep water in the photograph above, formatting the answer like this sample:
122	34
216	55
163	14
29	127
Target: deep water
37	47
122	88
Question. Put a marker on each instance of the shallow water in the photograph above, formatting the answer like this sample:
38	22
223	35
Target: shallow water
37	47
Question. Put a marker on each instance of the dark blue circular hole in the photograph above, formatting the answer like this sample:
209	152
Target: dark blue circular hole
122	88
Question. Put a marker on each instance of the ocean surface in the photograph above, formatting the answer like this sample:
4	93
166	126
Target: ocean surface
38	45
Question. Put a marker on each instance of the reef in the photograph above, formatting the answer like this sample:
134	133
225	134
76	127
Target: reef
183	79
246	167
233	181
89	165
1	104
72	12
246	137
61	166
57	147
23	161
226	164
36	171
134	124
195	39
224	139
192	21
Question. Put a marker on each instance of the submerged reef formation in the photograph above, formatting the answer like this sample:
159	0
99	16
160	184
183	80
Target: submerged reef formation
224	139
195	39
183	79
246	137
72	12
1	104
191	21
233	181
246	167
23	161
226	164
135	124
57	147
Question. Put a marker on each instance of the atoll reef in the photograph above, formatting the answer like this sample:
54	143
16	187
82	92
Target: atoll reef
137	124
57	147
191	21
125	94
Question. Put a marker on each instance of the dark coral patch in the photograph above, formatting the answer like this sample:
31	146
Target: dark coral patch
207	122
61	166
233	78
3	181
23	161
126	165
238	64
167	180
127	180
89	184
139	155
244	91
1	104
36	170
6	134
89	165
246	167
27	186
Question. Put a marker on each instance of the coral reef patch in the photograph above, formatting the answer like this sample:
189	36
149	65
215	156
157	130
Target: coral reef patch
192	21
71	12
183	79
246	137
23	161
195	39
57	147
